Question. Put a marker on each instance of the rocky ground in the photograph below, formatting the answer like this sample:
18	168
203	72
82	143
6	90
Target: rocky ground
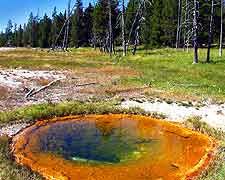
16	84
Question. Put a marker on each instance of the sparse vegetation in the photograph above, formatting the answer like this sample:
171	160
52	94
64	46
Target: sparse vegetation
216	169
9	169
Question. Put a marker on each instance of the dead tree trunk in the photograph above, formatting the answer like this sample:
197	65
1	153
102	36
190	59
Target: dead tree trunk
123	30
210	32
136	41
133	25
110	29
187	25
221	30
179	24
137	22
57	38
195	32
66	34
67	21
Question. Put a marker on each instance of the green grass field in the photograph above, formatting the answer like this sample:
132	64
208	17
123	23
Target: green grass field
170	70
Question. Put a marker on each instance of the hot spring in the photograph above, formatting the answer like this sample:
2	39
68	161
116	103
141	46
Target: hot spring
119	147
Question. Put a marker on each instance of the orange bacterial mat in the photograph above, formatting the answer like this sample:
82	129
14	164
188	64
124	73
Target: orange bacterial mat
112	147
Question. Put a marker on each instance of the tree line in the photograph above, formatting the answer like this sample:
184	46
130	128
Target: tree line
109	24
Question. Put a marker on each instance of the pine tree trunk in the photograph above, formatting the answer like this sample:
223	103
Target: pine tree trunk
195	33
123	30
221	30
210	32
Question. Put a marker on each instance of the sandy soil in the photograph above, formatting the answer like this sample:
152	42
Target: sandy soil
212	114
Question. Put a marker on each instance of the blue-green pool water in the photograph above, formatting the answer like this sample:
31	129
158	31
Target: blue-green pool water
96	142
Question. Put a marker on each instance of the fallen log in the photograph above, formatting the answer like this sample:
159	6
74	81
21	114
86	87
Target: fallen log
29	92
32	92
86	84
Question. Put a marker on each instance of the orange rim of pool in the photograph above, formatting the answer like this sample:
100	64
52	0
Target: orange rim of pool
117	147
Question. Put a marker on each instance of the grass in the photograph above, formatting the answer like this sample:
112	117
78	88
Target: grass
42	59
172	70
45	111
9	169
169	70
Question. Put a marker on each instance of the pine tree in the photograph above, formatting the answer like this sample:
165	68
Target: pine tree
100	23
45	27
61	18
14	36
169	22
30	30
88	24
54	27
146	27
19	42
115	10
156	22
77	25
26	35
9	33
3	39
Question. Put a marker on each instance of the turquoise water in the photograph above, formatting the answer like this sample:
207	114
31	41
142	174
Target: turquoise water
96	142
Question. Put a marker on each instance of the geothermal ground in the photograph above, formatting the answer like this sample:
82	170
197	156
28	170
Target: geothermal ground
15	86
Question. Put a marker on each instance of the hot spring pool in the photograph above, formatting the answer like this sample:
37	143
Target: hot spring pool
119	147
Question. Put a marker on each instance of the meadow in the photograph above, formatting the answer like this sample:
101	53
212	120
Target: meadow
165	70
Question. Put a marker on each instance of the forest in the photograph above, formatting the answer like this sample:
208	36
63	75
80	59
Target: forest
109	23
